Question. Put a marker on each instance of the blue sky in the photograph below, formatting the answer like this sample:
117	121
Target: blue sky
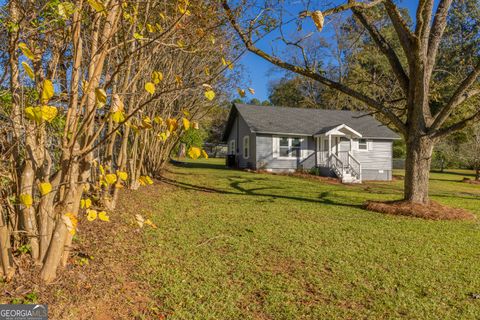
258	72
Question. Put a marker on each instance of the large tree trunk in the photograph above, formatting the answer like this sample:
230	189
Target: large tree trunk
417	168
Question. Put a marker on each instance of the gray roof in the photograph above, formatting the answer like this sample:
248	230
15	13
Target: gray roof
283	120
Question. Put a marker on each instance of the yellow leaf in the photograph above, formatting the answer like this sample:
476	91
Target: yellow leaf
137	36
150	223
111	178
26	51
204	154
182	8
47	91
224	62
186	123
194	152
212	39
172	124
157	76
150	28
162	136
122	175
195	125
145	180
149	180
28	70
101	96
71	222
45	188
150	87
210	94
241	92
91	214
48	113
251	90
102	215
207	71
158	120
147	122
230	65
96	5
85	203
26	200
65	9
318	19
34	114
117	103
118	116
186	113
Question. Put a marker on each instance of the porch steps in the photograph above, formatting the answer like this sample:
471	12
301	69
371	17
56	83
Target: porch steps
348	178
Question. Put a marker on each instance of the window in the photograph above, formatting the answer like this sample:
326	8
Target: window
362	144
232	147
290	147
246	147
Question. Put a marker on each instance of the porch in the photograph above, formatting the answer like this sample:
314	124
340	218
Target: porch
334	151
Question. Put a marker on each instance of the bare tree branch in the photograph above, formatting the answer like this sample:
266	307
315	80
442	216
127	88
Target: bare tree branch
405	36
458	97
386	49
457	126
438	27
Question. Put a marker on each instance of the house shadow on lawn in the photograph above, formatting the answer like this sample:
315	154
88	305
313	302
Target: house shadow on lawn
241	190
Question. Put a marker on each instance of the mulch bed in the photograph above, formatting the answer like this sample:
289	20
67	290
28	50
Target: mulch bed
101	280
471	181
432	211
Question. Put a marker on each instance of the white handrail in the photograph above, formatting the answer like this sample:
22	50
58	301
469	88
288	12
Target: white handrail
358	164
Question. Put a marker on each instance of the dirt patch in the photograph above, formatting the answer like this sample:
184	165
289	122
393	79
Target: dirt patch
101	281
471	181
432	211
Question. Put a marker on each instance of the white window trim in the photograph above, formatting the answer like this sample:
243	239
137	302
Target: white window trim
246	143
277	141
366	145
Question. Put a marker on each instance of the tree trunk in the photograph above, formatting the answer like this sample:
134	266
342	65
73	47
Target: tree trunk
477	174
417	168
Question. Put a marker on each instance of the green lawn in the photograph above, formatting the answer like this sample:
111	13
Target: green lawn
239	245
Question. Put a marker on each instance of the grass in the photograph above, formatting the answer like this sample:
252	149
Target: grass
239	245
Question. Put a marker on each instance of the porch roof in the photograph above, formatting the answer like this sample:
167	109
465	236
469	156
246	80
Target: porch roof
338	130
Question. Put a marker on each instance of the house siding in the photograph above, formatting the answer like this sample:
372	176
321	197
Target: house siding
377	161
238	135
266	160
